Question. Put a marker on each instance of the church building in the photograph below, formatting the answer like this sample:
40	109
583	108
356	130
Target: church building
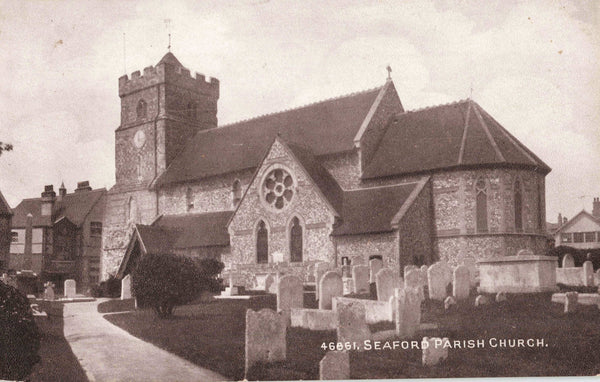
355	175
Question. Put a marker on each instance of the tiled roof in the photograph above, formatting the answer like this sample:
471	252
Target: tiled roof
197	230
325	127
371	210
4	207
457	135
157	240
74	207
582	214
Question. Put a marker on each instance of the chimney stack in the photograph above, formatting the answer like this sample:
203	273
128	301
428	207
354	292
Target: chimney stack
48	198
83	186
560	221
596	208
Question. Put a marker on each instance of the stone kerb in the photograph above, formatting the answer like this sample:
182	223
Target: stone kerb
335	366
352	325
330	286
385	282
588	273
126	287
70	288
439	276
433	350
290	293
568	261
407	314
265	337
461	282
360	278
374	266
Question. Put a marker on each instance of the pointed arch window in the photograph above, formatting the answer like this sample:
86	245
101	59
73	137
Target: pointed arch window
189	199
296	241
262	243
518	207
131	209
141	109
236	192
481	205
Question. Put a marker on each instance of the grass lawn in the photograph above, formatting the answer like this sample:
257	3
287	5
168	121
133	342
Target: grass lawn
58	363
212	336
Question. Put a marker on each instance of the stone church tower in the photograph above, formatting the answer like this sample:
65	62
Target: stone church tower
161	110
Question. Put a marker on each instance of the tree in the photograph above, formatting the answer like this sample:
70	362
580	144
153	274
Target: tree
19	335
164	282
5	147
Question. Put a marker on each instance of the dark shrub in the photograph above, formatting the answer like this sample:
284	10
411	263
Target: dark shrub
19	336
110	287
579	255
166	281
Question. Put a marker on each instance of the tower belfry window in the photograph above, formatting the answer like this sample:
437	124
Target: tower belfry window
236	192
141	109
518	207
481	205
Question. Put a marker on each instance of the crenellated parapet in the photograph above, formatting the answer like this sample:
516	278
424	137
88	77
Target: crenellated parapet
165	72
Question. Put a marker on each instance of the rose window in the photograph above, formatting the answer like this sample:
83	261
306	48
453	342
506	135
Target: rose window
278	189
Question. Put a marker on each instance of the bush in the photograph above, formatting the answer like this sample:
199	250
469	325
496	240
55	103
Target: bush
166	281
20	337
579	255
110	287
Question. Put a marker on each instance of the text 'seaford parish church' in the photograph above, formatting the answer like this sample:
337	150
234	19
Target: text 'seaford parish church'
354	175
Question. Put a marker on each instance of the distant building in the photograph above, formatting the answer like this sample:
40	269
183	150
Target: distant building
5	224
66	235
350	176
582	231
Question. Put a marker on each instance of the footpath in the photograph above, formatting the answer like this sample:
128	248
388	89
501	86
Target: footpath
108	353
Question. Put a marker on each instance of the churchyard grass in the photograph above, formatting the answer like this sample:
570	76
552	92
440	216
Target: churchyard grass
116	305
58	363
212	335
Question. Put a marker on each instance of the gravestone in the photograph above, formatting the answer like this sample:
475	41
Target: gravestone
70	288
352	325
588	273
407	312
374	266
335	366
290	293
360	278
348	285
568	261
481	300
439	276
408	268
385	282
432	354
470	263
330	286
500	297
412	280
571	302
126	287
49	291
320	269
449	302
461	282
357	260
424	269
265	337
269	282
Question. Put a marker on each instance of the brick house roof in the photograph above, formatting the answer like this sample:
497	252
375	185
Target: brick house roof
457	135
4	207
326	127
75	207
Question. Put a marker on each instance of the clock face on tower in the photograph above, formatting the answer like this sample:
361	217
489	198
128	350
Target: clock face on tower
139	139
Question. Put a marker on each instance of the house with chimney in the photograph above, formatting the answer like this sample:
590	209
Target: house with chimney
5	235
59	237
582	231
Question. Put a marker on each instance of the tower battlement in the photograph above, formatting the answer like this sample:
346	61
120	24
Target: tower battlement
173	74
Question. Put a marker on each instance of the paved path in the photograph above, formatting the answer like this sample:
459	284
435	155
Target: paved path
108	353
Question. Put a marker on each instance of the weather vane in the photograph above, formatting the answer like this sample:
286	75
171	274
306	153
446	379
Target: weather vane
389	70
168	25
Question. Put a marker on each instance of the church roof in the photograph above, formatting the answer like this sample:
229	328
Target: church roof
197	230
457	135
369	210
4	207
75	207
326	127
170	59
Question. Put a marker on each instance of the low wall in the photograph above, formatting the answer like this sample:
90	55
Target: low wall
570	276
517	274
375	311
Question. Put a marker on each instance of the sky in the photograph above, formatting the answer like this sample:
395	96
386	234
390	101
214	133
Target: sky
533	65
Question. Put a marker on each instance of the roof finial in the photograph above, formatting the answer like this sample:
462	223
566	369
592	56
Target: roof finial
389	70
168	25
